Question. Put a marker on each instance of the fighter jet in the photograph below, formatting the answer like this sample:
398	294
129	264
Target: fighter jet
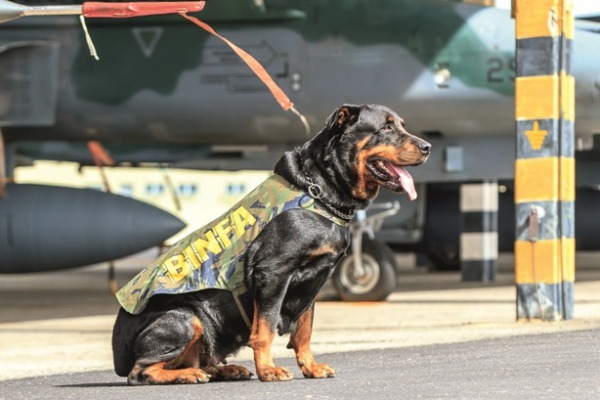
166	91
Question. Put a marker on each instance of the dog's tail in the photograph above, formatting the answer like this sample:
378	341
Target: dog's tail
122	345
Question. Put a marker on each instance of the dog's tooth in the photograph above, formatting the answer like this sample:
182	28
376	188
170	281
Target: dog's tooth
382	165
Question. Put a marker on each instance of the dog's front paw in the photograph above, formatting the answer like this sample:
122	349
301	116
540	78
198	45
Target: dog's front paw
233	373
192	375
318	371
274	374
157	375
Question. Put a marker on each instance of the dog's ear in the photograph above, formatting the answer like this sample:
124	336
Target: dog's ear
345	115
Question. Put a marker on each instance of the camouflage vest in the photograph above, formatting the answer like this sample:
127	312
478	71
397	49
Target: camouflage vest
213	256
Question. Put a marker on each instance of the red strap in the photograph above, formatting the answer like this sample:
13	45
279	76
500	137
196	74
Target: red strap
138	9
99	154
101	158
254	65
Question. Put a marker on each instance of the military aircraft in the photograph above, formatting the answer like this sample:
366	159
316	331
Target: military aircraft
166	91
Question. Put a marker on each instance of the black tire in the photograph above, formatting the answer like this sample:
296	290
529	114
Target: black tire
380	278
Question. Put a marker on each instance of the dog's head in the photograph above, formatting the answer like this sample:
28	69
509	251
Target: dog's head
372	141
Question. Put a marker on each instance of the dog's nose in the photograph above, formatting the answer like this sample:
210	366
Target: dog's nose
424	147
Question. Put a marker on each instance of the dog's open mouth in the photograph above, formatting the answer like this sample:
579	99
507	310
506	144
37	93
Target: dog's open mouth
393	176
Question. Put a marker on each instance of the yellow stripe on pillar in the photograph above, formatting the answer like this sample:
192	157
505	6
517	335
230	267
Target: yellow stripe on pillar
536	97
567	180
541	18
536	179
568	96
568	19
539	262
568	259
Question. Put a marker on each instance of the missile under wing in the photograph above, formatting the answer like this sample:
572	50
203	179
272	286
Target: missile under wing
43	228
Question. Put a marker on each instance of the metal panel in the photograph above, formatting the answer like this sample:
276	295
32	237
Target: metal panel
28	83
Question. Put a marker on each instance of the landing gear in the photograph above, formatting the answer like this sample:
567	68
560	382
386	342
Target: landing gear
373	280
368	273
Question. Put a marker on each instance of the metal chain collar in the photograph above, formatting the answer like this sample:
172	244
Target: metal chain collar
316	193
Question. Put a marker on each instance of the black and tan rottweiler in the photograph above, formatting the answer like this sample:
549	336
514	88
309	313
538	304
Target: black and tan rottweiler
185	337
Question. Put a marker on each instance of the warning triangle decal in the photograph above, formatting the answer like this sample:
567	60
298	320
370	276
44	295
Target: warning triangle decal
147	39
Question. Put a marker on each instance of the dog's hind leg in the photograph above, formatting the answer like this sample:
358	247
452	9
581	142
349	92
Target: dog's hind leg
300	342
170	351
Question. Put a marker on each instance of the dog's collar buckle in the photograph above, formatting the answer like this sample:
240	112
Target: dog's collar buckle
314	190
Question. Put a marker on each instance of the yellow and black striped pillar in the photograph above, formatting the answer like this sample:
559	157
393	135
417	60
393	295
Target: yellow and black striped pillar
545	165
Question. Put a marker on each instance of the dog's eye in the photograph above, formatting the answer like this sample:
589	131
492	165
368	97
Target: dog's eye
388	127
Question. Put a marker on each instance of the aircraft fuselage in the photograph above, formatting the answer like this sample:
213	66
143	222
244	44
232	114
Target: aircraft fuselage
448	68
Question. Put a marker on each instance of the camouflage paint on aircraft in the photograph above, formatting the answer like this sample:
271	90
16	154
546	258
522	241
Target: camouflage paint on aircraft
156	51
151	55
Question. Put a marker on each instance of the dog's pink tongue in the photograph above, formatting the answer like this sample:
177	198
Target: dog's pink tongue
406	181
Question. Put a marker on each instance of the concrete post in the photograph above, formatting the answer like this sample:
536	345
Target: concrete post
479	231
545	166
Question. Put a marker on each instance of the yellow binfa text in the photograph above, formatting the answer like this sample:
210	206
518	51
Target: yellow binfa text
215	241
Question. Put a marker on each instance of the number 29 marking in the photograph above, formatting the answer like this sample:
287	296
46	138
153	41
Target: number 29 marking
501	70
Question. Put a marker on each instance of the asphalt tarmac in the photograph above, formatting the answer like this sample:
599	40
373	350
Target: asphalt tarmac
436	337
561	365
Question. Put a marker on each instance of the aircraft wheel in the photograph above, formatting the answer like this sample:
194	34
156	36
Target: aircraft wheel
378	280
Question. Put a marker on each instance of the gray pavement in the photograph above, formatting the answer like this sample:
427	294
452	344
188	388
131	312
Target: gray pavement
559	365
436	337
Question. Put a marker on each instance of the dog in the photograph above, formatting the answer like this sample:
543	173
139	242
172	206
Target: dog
186	313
